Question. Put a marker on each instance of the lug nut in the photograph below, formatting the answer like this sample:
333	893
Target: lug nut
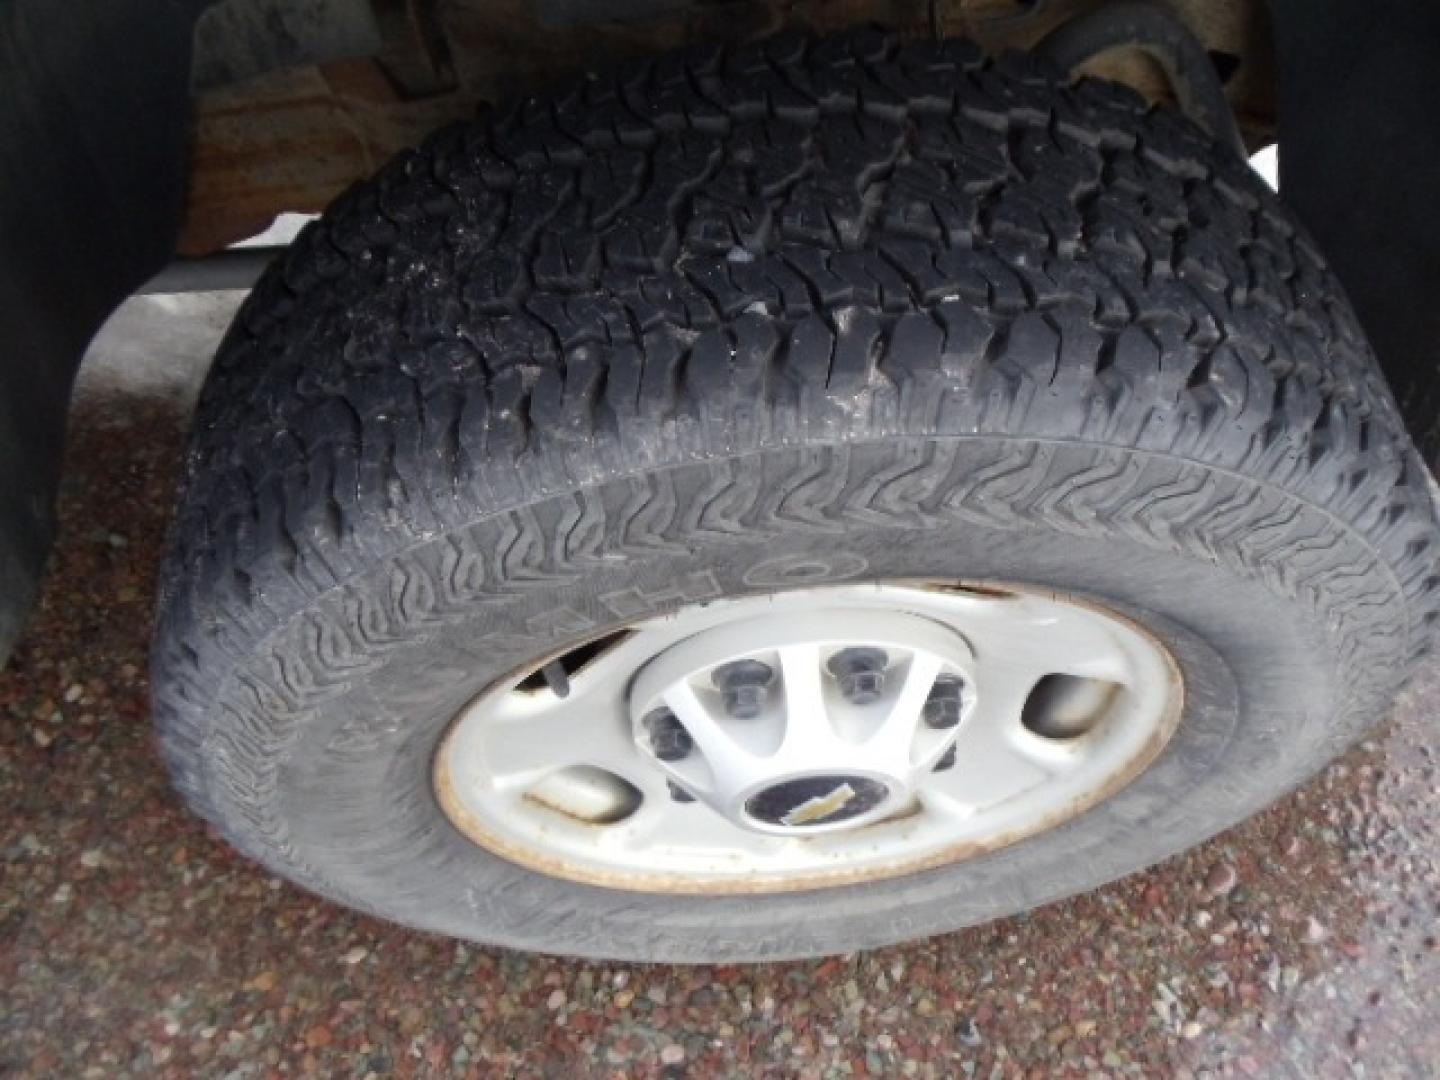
947	759
942	707
744	686
678	793
668	738
861	674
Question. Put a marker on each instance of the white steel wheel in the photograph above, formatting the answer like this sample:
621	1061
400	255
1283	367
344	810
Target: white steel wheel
810	738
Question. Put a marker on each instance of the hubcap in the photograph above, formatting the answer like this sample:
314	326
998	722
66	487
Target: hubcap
810	738
837	743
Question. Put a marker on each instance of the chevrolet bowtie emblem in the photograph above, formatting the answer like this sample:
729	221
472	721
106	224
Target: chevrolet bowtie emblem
820	807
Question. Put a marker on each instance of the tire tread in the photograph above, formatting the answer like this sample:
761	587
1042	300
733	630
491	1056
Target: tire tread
797	248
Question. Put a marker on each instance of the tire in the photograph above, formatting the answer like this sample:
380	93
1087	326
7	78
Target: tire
739	320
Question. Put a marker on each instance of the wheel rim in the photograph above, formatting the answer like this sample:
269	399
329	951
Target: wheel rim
811	738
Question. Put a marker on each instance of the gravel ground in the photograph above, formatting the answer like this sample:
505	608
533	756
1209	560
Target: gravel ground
134	942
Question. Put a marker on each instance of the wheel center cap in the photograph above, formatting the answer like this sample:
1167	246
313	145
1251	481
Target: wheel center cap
811	801
801	726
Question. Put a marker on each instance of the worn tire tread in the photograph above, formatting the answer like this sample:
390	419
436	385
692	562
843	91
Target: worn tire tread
799	249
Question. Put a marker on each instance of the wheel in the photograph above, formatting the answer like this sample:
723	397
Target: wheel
782	501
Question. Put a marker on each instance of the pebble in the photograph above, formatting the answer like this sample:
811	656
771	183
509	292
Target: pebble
319	1036
556	1000
672	1054
1221	880
355	955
